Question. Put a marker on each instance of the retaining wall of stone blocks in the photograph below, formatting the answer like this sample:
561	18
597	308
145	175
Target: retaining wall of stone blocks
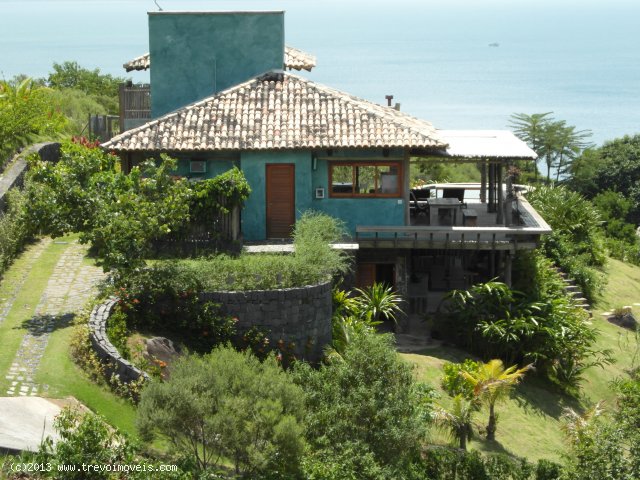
14	175
105	349
301	316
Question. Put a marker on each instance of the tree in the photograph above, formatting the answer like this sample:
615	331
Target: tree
228	405
553	140
84	438
26	112
368	402
493	383
102	87
458	419
613	166
119	214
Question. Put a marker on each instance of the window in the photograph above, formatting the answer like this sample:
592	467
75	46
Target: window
360	179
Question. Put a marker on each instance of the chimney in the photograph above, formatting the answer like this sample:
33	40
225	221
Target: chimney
389	98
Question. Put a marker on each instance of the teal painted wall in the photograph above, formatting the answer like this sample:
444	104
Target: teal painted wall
353	211
194	55
253	165
215	165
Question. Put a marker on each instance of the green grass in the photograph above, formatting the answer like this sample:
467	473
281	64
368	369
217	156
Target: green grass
56	367
65	379
529	424
24	305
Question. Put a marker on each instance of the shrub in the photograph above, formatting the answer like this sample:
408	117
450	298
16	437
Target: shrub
577	241
14	230
369	399
454	383
85	438
495	321
228	404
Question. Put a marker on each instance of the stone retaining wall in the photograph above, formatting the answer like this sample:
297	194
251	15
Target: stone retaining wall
14	175
103	347
299	315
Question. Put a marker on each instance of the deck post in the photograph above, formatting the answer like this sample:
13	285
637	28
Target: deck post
483	181
507	268
491	207
500	210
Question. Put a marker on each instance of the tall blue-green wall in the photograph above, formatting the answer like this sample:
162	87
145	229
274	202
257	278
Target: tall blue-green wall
197	54
309	175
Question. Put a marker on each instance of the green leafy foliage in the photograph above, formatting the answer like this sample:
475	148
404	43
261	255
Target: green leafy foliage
495	321
14	228
577	241
228	405
445	464
165	300
613	166
359	312
85	438
368	402
602	447
120	215
27	111
103	88
454	383
555	142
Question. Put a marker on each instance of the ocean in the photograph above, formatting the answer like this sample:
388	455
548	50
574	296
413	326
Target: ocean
580	60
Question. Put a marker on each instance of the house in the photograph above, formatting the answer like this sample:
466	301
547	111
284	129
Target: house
220	98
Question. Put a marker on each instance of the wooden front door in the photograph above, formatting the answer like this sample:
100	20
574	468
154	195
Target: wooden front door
281	205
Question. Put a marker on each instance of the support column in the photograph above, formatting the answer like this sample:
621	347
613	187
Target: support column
500	215
483	181
491	206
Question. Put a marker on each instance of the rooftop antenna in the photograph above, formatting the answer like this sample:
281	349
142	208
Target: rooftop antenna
159	7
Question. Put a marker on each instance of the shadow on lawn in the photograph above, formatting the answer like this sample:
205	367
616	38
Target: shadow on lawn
539	396
42	324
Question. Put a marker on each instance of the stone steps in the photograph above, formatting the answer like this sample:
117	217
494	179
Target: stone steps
573	291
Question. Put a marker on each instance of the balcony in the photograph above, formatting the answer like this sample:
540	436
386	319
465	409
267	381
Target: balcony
454	216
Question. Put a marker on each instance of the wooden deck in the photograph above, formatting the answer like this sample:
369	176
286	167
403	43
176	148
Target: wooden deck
486	235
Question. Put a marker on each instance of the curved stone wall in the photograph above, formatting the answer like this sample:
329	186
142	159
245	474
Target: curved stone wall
299	315
103	347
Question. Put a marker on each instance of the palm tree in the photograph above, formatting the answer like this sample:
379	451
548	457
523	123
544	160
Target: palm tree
491	383
457	419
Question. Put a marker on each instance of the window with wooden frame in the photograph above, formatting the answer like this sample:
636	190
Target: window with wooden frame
365	179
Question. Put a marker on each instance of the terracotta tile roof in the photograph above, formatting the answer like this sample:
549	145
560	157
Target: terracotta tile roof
293	59
298	60
279	111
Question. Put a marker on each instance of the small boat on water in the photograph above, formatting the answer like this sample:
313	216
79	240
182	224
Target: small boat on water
494	44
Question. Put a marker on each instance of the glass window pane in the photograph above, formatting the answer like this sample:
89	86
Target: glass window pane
365	179
388	179
342	179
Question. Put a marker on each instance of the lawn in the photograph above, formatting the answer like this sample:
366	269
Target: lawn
529	425
56	367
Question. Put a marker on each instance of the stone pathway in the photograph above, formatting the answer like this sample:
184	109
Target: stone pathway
69	287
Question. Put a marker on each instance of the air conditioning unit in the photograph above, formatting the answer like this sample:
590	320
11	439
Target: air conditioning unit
198	166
